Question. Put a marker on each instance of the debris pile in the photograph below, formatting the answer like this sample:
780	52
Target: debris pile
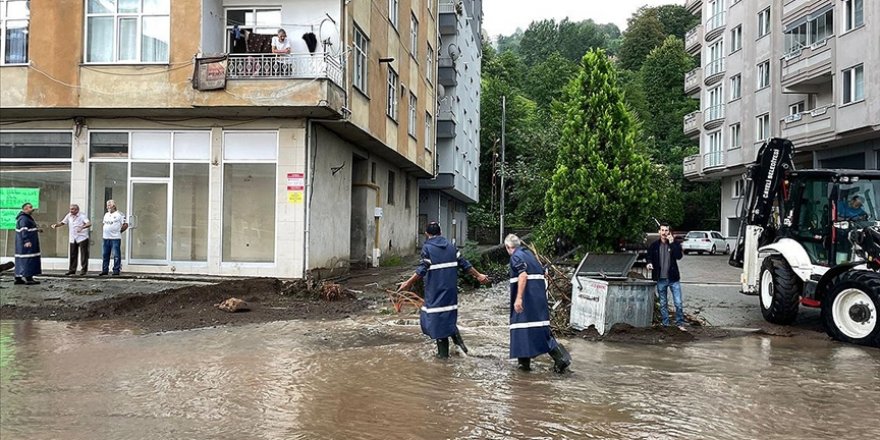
233	305
558	295
402	298
334	292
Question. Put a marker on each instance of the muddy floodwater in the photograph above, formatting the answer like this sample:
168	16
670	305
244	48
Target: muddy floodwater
373	377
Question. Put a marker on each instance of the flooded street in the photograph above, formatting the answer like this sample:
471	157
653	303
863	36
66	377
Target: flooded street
374	377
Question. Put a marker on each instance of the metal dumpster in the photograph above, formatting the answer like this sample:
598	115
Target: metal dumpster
603	294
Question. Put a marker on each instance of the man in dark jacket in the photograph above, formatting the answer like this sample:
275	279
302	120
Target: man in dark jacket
27	247
663	256
439	265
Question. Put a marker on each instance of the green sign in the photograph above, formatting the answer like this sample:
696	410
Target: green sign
13	198
7	217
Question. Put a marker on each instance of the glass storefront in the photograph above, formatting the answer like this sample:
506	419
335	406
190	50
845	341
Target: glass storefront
35	168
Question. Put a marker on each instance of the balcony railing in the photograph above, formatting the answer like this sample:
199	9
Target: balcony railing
693	6
713	159
715	67
809	65
447	7
692	123
717	21
810	127
693	38
714	113
691	165
446	110
279	66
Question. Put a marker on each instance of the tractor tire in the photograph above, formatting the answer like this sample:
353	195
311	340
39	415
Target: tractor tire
850	310
779	289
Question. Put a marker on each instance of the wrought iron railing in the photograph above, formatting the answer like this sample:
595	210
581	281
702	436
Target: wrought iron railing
280	66
714	113
715	67
713	159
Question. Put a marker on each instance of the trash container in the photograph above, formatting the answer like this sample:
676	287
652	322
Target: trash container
603	294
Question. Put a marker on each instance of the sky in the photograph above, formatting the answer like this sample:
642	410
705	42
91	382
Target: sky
504	16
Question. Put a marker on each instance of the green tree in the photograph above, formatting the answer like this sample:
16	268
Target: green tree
665	103
602	188
643	34
538	41
510	42
546	80
676	20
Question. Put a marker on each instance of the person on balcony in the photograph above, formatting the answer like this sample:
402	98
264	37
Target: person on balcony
282	47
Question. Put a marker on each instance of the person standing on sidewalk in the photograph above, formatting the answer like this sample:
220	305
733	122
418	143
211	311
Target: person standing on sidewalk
530	334
78	225
27	247
439	265
114	225
663	256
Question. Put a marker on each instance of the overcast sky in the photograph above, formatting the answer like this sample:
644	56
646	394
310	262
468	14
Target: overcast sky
504	16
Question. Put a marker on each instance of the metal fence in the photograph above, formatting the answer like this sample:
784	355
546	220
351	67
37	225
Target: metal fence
281	66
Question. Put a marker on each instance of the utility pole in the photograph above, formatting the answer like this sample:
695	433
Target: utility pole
503	122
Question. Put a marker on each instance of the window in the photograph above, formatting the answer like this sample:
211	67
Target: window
132	31
855	14
414	36
393	12
736	39
361	49
736	87
413	104
35	168
406	193
854	84
429	62
373	172
735	136
393	81
715	156
14	18
762	132
763	22
249	186
715	110
429	133
813	31
764	74
796	109
259	21
390	189
716	59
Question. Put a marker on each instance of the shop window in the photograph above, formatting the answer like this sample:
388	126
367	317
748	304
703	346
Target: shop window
35	145
151	145
109	181
47	187
108	145
249	201
189	225
141	169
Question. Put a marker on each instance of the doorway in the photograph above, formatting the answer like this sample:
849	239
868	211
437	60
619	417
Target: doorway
149	221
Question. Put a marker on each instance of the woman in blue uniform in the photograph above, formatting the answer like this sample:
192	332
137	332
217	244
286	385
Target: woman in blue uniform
27	247
530	334
439	265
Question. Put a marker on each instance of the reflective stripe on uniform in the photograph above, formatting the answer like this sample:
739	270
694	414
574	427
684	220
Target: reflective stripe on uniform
531	277
529	324
27	255
443	265
439	309
27	229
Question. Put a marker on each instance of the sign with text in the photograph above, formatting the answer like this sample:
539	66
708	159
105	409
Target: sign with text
210	73
296	185
7	218
13	198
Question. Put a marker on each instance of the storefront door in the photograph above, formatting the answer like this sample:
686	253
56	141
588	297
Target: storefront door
149	222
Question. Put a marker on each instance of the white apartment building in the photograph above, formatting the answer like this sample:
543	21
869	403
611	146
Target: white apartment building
806	70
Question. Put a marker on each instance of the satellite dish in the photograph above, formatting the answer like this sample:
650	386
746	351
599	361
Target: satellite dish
328	33
441	91
453	51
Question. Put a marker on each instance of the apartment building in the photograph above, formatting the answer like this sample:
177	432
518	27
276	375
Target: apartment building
228	159
806	70
445	198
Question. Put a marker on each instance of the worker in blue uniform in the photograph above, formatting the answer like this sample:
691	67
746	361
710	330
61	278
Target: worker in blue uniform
439	265
530	334
27	247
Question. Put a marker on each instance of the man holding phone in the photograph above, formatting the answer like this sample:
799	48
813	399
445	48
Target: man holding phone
663	256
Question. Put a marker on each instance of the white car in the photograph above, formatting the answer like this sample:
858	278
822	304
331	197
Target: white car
705	241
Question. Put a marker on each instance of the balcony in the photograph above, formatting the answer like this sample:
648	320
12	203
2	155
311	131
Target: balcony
692	122
713	160
715	25
808	67
693	6
447	72
447	119
810	127
793	9
692	81
714	116
691	165
447	20
693	40
258	66
714	71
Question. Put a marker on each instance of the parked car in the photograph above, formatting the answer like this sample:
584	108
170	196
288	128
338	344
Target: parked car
701	242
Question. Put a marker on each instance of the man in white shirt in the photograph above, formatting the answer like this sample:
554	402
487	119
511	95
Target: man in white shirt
114	225
282	48
79	225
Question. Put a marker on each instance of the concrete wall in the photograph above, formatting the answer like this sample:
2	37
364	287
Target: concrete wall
330	202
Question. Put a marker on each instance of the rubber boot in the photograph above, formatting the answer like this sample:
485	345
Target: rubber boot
19	280
456	339
561	359
524	364
443	348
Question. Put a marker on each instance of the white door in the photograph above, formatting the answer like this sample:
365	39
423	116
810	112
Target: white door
149	220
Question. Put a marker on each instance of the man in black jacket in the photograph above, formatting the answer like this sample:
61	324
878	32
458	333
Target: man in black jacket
663	256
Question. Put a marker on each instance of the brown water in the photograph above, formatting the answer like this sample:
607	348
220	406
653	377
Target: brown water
375	378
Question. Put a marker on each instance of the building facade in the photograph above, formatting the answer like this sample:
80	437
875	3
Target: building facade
226	158
445	198
806	70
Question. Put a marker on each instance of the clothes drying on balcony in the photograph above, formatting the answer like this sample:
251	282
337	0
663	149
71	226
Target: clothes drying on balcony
311	41
259	43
